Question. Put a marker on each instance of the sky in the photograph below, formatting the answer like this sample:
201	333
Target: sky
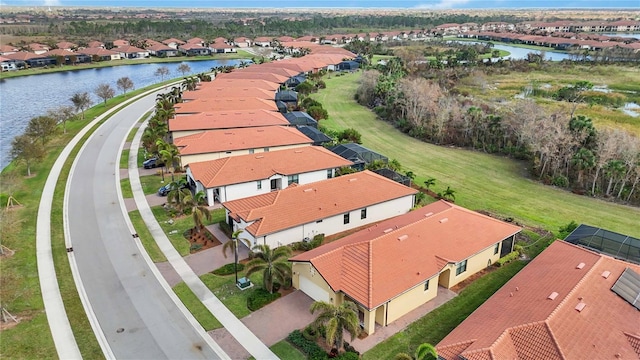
403	4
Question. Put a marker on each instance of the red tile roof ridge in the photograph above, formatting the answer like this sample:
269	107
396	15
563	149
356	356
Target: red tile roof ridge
554	338
370	273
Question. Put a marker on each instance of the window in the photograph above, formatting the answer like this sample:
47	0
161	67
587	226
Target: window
228	152
363	213
462	267
319	221
329	173
292	179
251	151
266	149
426	285
346	218
259	184
496	248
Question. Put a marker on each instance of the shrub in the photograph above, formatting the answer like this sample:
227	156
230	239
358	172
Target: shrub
310	333
560	181
348	356
195	247
309	348
564	231
349	348
227	269
507	258
225	228
259	298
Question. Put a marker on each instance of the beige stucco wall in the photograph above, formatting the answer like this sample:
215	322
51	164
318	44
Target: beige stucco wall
308	271
411	299
474	264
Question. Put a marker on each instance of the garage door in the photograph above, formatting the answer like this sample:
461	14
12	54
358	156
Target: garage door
313	290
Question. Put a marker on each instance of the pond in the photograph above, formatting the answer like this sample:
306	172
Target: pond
25	97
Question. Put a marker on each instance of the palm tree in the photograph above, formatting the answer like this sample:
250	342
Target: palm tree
583	160
199	209
337	319
179	196
429	182
170	156
449	194
425	351
272	263
233	245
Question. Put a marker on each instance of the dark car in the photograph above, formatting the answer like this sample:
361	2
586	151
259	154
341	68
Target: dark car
152	163
164	190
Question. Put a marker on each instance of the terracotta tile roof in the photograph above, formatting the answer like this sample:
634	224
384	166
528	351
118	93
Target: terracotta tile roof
160	47
224	92
65	45
404	251
269	70
224	104
522	315
8	48
120	42
127	49
253	76
220	45
191	46
227	120
98	51
287	65
173	40
59	52
238	139
303	204
235	83
23	56
95	44
195	40
263	39
252	167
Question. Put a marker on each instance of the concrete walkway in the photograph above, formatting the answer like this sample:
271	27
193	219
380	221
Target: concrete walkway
384	332
236	328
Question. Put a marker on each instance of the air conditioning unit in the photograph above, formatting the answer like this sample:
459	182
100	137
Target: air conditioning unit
307	239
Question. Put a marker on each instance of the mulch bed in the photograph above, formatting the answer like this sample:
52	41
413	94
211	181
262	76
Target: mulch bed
468	281
204	238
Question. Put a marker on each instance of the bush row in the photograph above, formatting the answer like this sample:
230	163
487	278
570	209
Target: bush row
306	246
227	269
307	347
259	298
507	258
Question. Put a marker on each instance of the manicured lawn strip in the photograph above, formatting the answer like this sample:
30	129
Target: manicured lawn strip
481	181
434	326
196	307
141	158
151	183
179	226
241	54
225	289
284	350
20	290
146	238
124	159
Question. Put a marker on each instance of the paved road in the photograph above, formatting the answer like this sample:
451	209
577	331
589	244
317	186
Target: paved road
138	318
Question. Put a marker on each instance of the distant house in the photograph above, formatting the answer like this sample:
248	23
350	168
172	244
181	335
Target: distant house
196	41
242	42
95	44
288	97
348	65
38	49
324	207
7	64
65	45
242	176
212	92
220	47
161	50
24	59
391	268
173	43
216	144
100	54
8	49
567	303
194	49
247	75
262	41
68	56
224	104
131	52
184	125
263	68
120	42
235	84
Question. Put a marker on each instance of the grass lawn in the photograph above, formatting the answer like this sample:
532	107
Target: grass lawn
124	159
197	308
225	289
437	324
125	185
146	238
284	350
481	181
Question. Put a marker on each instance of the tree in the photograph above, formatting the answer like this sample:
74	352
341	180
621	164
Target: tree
233	245
170	155
41	127
199	210
28	149
272	263
317	112
449	194
426	351
350	135
179	196
124	84
105	92
337	320
429	182
81	101
184	68
162	72
61	114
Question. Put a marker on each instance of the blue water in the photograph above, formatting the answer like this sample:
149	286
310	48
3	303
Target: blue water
26	97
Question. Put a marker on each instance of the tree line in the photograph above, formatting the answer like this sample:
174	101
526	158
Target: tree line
564	149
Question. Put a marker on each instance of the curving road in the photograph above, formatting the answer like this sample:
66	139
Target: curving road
138	318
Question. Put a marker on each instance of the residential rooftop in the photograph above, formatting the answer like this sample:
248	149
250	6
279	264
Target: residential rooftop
225	92
227	120
224	104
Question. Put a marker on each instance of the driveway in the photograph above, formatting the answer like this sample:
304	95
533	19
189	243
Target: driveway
270	324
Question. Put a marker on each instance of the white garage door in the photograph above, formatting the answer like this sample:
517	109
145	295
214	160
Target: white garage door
313	290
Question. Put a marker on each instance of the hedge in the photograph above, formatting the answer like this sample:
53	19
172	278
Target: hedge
307	347
227	269
507	258
259	298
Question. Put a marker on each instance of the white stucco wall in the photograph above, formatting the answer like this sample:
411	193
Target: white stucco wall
335	224
186	159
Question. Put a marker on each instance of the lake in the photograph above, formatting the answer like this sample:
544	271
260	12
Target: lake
25	97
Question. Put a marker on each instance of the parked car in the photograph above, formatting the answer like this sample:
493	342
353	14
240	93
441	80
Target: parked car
152	163
164	190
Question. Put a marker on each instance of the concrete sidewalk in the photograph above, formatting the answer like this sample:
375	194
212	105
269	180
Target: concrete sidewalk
230	322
